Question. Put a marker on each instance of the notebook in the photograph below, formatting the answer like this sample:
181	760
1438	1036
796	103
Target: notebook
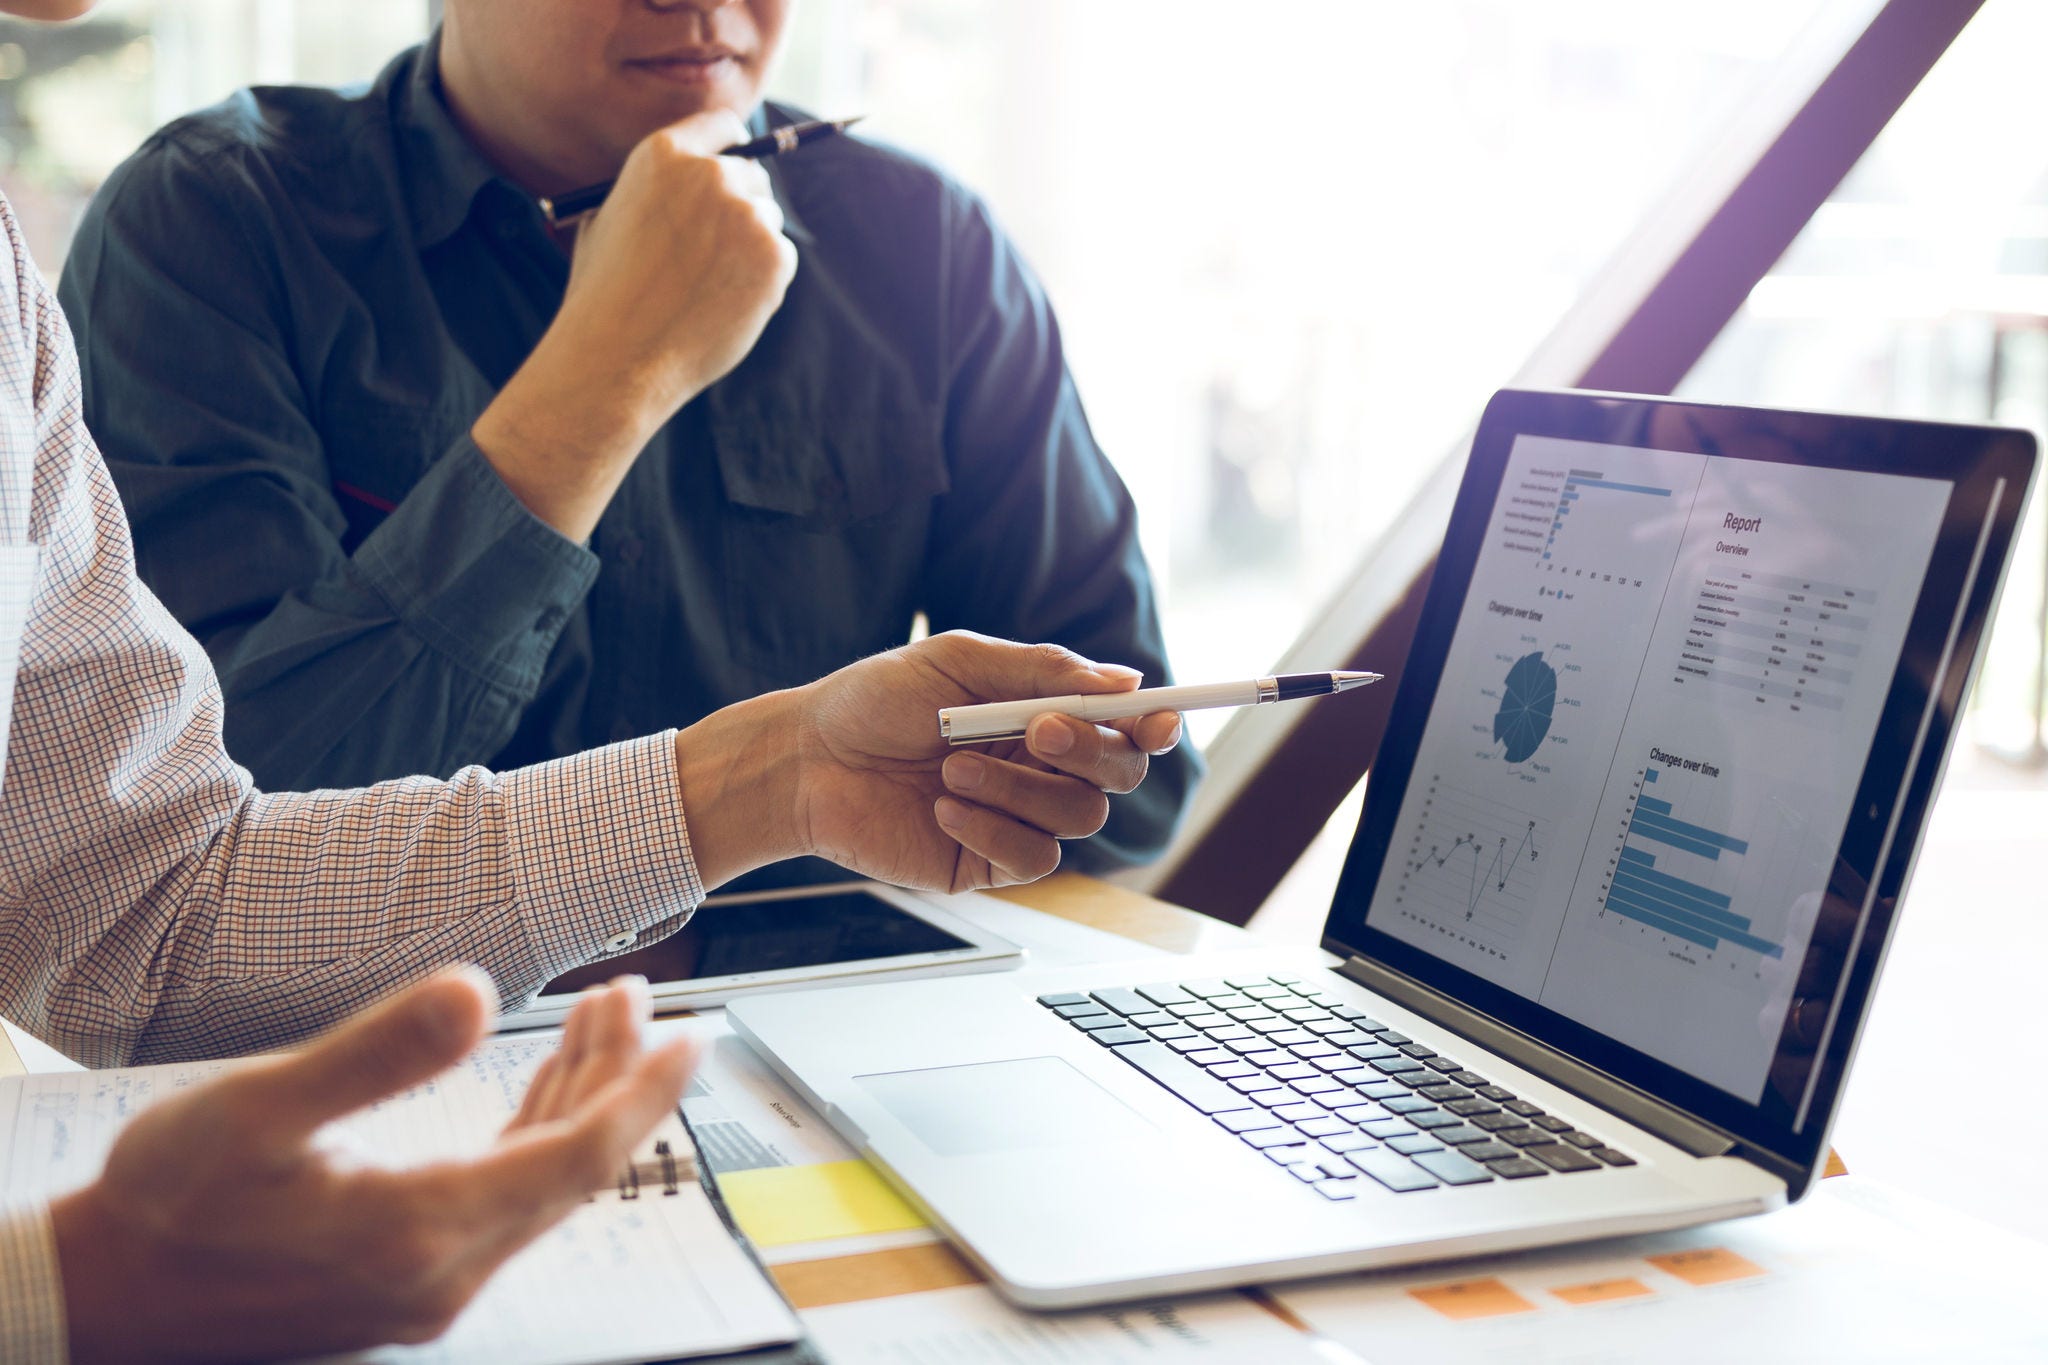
648	1270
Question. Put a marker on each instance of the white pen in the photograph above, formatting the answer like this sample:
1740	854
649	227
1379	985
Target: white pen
1006	719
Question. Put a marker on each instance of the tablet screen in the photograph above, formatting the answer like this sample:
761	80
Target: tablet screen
770	935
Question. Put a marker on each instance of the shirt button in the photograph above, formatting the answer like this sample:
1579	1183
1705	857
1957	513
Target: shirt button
618	943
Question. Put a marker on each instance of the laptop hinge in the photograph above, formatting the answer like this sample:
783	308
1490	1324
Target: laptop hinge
1675	1126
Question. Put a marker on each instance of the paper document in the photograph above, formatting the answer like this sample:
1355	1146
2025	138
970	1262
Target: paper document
969	1325
1854	1272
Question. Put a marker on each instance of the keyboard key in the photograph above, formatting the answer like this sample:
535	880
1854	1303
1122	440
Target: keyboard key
1189	1045
1166	994
1333	1167
1181	1076
1274	1098
1348	1142
1436	1118
1214	1056
1379	1088
1122	999
1288	979
1517	1168
1318	1085
1493	1092
1523	1107
1251	1042
1254	1083
1614	1158
1473	1079
1345	1070
1350	1038
1088	1023
1415	1142
1358	1017
1174	1033
1387	1128
1268	1058
1472	1107
1420	1051
1337	1190
1324	1126
1304	1012
1245	1120
1287	1035
1559	1157
1208	1019
1397	1039
1524	1137
1305	1172
1490	1151
1193	1007
1393	1170
1416	1080
1238	983
1551	1123
1453	1169
1294	1113
1309	1052
1289	1156
1053	1002
1079	1009
1394	1066
1371	1051
1253	1013
1234	1001
1232	1070
1443	1064
1407	1104
1327	1026
1268	991
1357	1113
1458	1134
1494	1123
1262	1138
1117	1037
1586	1140
1151	1019
1291	1071
1214	985
1446	1091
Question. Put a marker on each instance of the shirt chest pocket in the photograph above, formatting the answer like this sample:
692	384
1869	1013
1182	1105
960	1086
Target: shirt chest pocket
823	536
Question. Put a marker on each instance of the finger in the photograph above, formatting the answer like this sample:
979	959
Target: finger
1017	852
610	1027
538	1105
1103	758
1155	734
1001	670
1064	807
708	133
587	1148
401	1042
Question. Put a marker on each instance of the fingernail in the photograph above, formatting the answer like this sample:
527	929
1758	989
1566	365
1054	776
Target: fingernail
964	772
1049	735
1121	672
952	814
1172	740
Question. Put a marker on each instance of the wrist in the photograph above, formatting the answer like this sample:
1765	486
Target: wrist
739	771
107	1299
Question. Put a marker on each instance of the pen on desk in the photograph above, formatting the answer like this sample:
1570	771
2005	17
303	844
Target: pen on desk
1006	719
567	208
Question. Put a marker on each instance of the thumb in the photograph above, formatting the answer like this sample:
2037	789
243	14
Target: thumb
1001	670
409	1038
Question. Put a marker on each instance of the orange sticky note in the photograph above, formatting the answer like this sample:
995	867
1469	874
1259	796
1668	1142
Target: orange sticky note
1602	1291
1706	1265
1488	1298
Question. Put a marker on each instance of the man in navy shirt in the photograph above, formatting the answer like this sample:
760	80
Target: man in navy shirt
389	449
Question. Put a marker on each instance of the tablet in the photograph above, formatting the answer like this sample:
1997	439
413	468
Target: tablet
833	934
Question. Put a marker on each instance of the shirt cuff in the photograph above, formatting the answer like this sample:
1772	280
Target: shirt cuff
32	1330
442	560
600	852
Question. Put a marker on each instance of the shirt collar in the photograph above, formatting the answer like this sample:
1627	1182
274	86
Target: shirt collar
443	170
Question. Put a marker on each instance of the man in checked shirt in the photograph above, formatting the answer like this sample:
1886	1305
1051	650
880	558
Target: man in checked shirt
154	906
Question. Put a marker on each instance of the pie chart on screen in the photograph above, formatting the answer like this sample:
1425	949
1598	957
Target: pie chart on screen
1525	706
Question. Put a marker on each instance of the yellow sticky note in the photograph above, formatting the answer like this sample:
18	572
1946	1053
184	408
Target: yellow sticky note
779	1205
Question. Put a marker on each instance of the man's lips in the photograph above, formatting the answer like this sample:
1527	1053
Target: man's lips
688	63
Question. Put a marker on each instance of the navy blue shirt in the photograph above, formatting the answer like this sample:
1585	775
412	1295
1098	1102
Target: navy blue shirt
292	306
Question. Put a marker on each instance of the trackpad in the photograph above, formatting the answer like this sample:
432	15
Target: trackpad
1000	1106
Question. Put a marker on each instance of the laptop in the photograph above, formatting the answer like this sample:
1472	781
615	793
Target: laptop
1606	935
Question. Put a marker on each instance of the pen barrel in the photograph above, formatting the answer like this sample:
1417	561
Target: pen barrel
1008	719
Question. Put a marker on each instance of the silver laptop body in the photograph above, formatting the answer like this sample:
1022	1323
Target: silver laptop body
1633	847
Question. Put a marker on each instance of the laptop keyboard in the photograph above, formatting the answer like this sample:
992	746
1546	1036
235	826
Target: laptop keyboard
1326	1091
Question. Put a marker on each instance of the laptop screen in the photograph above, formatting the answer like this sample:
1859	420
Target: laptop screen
1619	783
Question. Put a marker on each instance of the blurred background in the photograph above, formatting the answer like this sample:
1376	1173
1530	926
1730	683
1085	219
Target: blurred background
1294	247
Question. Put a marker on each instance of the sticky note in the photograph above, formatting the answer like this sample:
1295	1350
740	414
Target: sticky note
779	1205
1706	1265
1603	1291
872	1275
1488	1298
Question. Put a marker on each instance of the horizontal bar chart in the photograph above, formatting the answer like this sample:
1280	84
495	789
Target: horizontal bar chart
1641	891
